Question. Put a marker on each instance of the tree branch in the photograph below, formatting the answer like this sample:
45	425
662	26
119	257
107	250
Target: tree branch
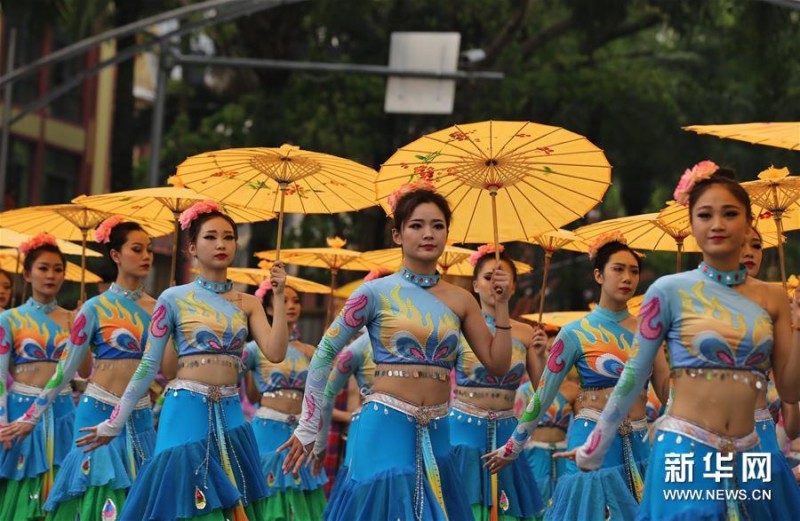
508	32
546	35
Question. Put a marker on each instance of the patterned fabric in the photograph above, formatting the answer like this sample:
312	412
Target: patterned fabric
470	372
705	324
558	415
113	325
291	373
28	335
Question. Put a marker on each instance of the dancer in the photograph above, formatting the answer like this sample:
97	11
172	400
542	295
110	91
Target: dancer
205	462
114	325
550	436
32	338
483	409
598	345
279	389
402	466
723	329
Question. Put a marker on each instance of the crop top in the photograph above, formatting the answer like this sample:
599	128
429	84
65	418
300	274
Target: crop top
470	372
291	373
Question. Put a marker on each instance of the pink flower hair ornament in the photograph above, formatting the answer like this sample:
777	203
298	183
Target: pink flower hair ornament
484	250
263	288
103	232
603	239
402	190
196	210
43	239
699	172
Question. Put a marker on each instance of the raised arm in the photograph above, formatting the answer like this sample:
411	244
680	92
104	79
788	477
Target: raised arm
493	351
786	348
272	341
653	326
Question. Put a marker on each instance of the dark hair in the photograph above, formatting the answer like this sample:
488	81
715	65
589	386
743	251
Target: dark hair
119	236
760	237
490	256
194	227
269	298
723	177
607	250
408	202
6	275
35	253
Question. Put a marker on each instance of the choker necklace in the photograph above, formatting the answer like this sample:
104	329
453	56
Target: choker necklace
44	308
294	335
216	287
729	278
423	281
616	316
133	295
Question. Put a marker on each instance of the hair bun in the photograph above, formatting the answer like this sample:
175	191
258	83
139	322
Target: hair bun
725	173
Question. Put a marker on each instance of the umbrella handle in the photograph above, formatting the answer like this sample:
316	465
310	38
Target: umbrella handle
84	233
280	222
14	283
493	195
547	255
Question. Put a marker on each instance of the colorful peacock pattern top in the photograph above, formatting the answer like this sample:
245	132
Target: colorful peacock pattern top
470	372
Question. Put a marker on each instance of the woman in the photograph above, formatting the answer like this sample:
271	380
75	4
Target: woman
402	466
205	463
598	345
483	410
550	436
32	338
279	390
5	290
722	329
114	326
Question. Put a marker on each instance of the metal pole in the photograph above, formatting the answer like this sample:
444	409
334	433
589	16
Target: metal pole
165	64
7	104
352	68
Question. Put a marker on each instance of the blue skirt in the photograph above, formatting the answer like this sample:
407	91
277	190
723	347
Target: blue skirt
352	440
186	477
516	486
546	469
271	434
28	459
587	495
382	476
704	498
114	465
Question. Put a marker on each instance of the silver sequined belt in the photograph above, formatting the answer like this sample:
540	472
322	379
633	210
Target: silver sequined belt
625	428
223	360
480	412
104	396
433	372
473	392
762	415
294	394
265	413
722	443
547	445
214	392
30	367
32	390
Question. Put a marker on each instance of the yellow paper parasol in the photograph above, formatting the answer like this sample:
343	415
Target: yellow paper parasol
255	276
164	204
68	221
454	261
542	177
334	258
285	179
556	318
781	135
11	261
777	192
551	242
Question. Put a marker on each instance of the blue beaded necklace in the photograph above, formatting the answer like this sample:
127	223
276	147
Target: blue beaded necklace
729	278
216	287
44	308
423	281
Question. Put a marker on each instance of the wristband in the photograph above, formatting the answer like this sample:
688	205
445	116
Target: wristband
507	328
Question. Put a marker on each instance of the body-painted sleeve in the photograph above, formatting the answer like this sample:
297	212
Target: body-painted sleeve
358	311
80	339
250	357
5	357
521	398
654	322
347	363
158	337
563	355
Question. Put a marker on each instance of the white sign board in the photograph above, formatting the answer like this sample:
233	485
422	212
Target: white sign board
435	52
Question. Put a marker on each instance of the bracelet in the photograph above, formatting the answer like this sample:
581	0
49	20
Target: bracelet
507	328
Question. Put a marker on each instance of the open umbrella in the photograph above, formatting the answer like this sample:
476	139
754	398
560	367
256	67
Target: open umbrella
164	204
778	134
285	179
255	276
334	258
454	261
542	177
551	242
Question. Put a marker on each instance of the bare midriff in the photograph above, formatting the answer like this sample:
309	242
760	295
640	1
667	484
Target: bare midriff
487	398
598	398
36	374
419	391
224	373
284	404
114	375
549	435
